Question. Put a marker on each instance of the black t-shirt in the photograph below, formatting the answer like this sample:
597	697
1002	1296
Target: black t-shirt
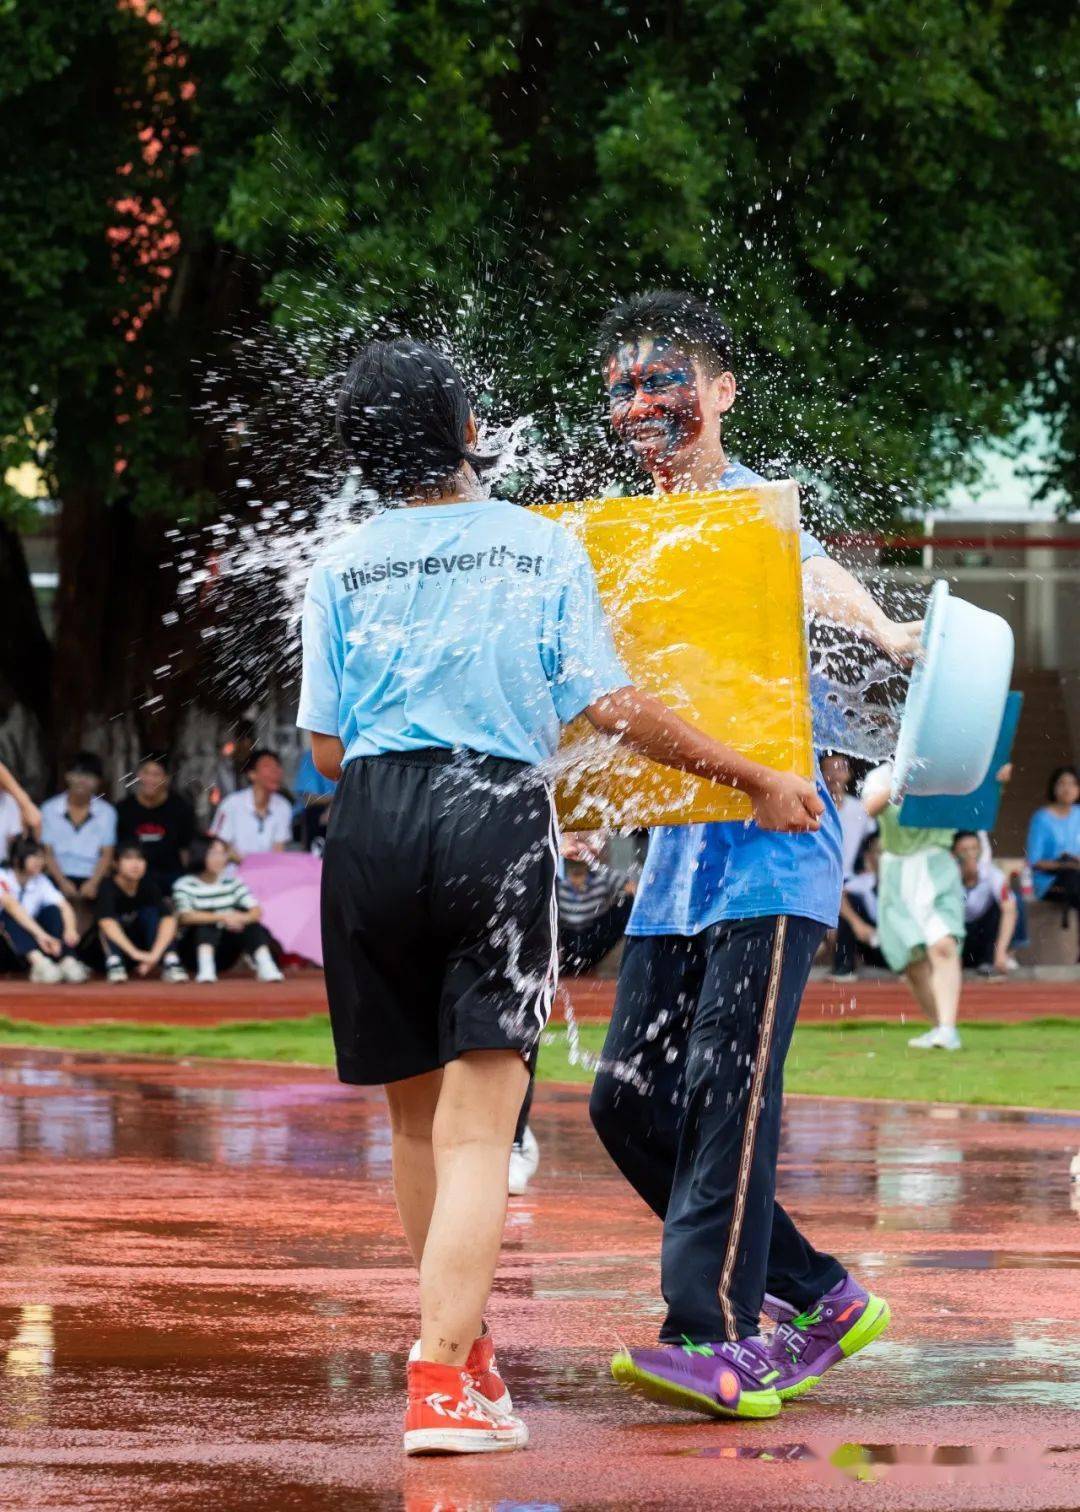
163	832
114	903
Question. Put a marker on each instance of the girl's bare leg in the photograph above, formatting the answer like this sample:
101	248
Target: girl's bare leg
945	970
920	980
412	1112
472	1133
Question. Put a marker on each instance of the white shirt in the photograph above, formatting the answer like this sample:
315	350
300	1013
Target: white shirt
11	823
34	894
855	825
988	888
77	847
238	823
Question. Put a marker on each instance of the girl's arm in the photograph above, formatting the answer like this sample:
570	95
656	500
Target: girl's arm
781	800
327	753
114	933
67	917
42	939
29	811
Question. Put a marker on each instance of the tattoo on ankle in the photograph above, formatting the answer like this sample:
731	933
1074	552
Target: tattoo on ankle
450	1344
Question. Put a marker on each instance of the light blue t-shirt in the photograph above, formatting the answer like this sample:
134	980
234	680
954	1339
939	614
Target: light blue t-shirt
1049	836
701	874
77	847
474	625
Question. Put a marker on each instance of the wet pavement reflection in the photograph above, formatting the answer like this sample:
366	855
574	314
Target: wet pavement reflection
205	1301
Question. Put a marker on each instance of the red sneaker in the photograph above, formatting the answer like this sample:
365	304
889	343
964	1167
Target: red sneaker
447	1415
483	1372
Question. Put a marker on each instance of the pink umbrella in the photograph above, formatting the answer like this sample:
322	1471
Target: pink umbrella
286	884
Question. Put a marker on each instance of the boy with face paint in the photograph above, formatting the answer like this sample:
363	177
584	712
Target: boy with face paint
725	925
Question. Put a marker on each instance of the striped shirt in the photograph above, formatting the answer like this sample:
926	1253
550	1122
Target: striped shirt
581	906
192	895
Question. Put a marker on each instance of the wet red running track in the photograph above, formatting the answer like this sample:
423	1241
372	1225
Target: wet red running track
205	1303
302	993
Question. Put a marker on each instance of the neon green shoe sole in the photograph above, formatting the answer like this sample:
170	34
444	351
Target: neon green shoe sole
873	1322
670	1393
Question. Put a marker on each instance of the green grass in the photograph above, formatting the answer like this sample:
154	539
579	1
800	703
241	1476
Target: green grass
1034	1065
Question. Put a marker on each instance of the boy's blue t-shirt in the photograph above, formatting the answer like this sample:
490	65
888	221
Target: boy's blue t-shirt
1049	836
701	874
475	625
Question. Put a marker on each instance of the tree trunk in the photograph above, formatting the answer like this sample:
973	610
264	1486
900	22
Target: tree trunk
25	652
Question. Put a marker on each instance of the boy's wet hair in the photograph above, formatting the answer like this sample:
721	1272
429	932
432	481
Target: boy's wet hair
675	315
129	848
401	417
21	849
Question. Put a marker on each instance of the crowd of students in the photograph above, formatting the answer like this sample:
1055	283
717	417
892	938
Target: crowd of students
134	890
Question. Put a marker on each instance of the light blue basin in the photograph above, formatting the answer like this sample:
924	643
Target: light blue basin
955	701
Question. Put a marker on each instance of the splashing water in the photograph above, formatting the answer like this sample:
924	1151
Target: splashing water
272	412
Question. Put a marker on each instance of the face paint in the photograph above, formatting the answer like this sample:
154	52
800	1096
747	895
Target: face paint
653	398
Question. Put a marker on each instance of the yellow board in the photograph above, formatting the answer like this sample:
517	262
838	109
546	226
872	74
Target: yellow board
704	594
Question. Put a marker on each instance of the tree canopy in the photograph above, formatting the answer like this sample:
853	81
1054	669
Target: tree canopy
882	198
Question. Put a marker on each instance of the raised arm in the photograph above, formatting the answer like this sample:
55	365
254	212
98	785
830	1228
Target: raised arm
781	800
28	810
834	595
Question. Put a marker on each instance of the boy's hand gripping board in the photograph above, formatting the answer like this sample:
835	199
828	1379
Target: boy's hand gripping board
704	596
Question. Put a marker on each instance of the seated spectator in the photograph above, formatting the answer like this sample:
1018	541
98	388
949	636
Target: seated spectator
989	908
257	818
158	820
594	904
36	920
311	811
1053	842
78	830
220	917
856	933
855	823
135	924
18	816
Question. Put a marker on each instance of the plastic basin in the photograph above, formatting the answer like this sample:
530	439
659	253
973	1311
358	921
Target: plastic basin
955	701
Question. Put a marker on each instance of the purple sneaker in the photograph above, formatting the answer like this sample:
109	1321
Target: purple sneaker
838	1325
723	1380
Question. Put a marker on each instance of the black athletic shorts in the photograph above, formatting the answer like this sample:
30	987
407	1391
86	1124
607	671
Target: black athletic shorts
439	921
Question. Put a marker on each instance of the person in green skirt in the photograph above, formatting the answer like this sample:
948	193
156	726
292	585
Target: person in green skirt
920	912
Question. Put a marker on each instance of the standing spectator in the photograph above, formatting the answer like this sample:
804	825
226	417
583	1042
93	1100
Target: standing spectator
855	823
258	817
1053	842
36	919
221	915
135	924
594	904
857	931
158	820
311	811
920	912
18	815
989	907
78	829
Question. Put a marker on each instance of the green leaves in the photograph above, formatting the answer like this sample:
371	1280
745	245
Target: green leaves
880	196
